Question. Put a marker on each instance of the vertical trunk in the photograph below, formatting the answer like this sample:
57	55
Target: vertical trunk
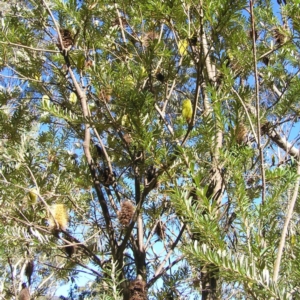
209	277
140	263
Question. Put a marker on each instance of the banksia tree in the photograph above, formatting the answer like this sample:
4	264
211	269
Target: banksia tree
102	100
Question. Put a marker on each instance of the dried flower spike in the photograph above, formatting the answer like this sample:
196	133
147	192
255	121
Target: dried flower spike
240	133
160	230
279	36
126	213
29	270
138	290
67	39
24	294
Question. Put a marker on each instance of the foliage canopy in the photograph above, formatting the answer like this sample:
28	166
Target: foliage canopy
110	183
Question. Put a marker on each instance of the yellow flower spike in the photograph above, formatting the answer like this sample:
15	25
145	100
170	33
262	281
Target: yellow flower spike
60	216
187	110
32	196
73	98
125	121
182	47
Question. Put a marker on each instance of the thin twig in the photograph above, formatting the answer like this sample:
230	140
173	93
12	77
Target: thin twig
259	145
160	267
153	280
120	22
56	26
30	48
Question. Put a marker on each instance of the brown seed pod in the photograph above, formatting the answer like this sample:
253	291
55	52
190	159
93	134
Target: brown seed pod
265	128
29	270
127	137
24	294
196	200
250	33
105	94
126	213
67	39
266	60
116	21
240	133
88	63
148	38
150	174
160	77
279	36
99	151
137	289
193	40
160	230
107	178
69	249
196	282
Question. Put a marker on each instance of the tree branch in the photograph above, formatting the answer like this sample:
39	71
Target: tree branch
283	143
290	210
257	105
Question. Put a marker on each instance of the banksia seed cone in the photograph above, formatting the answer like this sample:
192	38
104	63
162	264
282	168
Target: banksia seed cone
105	94
29	270
150	173
116	21
137	289
149	37
24	294
108	178
266	60
127	137
279	36
265	128
99	151
255	34
193	40
160	230
67	39
60	215
69	249
240	133
160	77
126	213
